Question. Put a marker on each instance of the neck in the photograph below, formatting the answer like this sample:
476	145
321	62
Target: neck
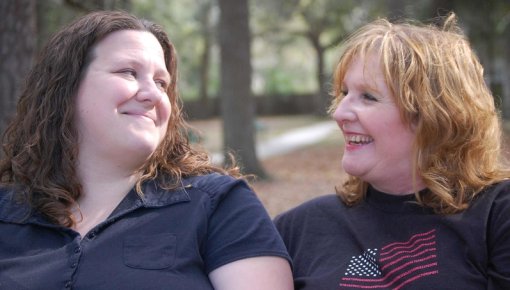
399	186
104	185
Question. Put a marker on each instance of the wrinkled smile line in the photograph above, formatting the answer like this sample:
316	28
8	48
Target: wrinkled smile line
143	116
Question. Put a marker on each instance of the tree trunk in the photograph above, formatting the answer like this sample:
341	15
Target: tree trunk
205	21
238	107
321	101
396	9
18	36
505	74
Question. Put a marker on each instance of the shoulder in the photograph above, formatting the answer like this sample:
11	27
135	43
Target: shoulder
11	207
501	186
317	204
322	207
497	198
216	188
213	182
492	207
215	185
497	194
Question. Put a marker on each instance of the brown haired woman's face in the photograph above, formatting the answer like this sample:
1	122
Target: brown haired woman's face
122	105
378	144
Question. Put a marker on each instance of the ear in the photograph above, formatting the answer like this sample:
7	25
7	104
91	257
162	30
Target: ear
414	120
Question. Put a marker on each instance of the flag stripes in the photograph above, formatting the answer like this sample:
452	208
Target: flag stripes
397	265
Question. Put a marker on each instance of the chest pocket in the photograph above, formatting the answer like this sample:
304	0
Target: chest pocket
150	252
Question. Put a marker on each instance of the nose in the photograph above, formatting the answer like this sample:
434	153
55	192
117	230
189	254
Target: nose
149	92
344	112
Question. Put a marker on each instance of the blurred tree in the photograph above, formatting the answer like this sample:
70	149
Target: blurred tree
323	23
204	15
238	107
503	29
324	29
51	15
91	5
416	9
191	25
17	46
486	23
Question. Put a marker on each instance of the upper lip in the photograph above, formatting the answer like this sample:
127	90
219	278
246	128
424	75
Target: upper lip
346	132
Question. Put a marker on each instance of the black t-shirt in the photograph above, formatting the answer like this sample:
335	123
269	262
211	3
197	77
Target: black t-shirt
389	242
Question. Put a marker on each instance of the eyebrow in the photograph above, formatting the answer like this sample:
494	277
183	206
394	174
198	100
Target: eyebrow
135	62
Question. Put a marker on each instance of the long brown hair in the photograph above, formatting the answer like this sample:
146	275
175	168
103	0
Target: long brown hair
438	85
40	143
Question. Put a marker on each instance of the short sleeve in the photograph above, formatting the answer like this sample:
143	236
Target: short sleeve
239	227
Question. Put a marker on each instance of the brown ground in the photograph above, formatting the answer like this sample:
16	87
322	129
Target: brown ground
300	176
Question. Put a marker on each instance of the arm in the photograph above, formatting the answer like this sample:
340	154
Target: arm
243	249
257	273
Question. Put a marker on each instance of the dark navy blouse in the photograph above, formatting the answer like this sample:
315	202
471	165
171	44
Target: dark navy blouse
163	240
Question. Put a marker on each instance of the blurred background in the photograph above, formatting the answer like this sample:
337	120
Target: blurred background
255	75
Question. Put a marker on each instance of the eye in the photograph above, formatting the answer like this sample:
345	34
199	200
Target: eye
369	97
162	85
342	91
128	72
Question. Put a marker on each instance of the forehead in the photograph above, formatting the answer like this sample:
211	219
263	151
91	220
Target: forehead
365	68
131	43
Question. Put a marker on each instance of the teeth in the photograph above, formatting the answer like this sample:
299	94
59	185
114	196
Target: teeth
358	139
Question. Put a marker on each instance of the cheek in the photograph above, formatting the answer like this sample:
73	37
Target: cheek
165	110
393	129
402	137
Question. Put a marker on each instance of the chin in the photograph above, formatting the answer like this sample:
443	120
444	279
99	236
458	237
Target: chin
352	169
141	149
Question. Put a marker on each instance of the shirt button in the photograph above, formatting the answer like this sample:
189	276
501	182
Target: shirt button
73	265
68	284
77	250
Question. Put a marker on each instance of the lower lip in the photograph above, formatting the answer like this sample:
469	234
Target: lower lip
141	117
354	147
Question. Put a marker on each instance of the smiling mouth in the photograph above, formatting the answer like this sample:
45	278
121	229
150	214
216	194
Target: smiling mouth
359	140
140	116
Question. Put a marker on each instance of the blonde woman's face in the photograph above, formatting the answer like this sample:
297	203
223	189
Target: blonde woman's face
378	145
122	105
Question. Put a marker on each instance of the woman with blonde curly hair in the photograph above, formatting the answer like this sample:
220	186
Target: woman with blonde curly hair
426	204
100	187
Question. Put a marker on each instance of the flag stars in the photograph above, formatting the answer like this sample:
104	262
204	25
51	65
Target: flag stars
364	265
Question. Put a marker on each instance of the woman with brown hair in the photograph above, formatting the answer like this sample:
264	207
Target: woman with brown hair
426	204
100	187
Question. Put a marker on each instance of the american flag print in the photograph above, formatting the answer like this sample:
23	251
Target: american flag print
394	266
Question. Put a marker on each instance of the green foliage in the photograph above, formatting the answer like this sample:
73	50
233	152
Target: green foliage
184	22
283	54
283	69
